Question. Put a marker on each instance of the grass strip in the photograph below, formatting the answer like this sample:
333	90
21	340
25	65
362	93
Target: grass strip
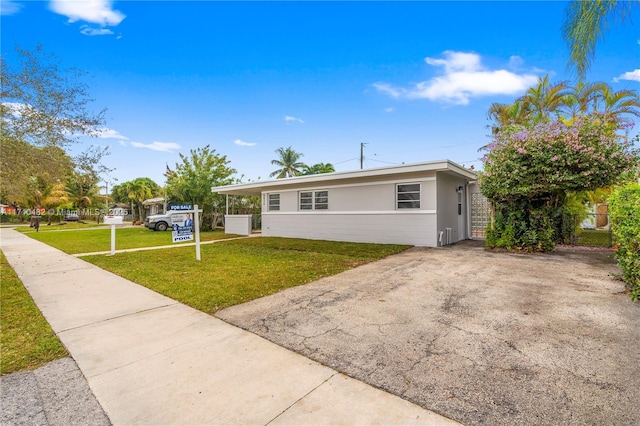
62	226
594	237
239	271
94	240
27	341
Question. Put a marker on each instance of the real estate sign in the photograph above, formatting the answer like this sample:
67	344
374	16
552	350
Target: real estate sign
181	227
182	223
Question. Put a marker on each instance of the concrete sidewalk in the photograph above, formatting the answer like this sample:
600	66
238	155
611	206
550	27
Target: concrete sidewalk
151	360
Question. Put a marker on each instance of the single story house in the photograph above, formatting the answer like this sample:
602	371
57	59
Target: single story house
154	206
423	204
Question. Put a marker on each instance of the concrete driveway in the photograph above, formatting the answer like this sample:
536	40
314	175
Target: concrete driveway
479	337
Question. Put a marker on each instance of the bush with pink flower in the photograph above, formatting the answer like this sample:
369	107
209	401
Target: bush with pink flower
529	169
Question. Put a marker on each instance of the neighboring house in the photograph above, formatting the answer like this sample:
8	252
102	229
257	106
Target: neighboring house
6	209
121	209
424	204
154	206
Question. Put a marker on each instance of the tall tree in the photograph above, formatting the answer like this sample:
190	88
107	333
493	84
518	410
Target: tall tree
288	162
319	168
545	99
620	103
44	108
82	190
505	114
22	164
135	192
139	191
586	23
54	197
44	104
584	98
552	101
192	179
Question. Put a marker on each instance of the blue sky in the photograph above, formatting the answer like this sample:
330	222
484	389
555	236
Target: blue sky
412	80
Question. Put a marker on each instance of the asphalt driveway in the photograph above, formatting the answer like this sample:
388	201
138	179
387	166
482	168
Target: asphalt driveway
479	337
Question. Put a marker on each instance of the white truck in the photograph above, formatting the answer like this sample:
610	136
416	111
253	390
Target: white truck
160	222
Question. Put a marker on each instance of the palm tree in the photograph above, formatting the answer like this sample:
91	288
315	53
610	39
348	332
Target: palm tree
82	189
586	23
288	162
506	114
138	191
617	103
545	99
319	168
55	197
584	98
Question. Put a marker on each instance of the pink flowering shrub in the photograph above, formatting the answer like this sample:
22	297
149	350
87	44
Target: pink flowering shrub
529	169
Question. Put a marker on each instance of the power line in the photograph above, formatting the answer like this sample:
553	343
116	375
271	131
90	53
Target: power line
382	161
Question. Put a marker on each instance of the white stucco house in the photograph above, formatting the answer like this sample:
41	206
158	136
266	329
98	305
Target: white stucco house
423	204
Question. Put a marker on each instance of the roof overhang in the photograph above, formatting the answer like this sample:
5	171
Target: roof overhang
338	178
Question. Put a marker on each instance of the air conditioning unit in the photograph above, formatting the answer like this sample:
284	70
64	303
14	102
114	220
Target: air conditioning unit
445	237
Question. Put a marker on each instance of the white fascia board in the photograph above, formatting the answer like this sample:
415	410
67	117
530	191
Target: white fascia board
256	188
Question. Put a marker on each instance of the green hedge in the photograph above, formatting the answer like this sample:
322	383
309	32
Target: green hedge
523	226
624	211
25	218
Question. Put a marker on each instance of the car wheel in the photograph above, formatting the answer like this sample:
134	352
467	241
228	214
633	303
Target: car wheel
161	226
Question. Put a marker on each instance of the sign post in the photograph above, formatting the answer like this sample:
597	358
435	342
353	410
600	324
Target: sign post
113	221
196	224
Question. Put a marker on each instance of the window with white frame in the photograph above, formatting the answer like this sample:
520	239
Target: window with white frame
274	202
408	196
321	200
314	200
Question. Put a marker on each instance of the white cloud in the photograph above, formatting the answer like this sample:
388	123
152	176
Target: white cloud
107	133
93	11
387	89
291	119
16	108
630	75
9	7
456	61
87	30
243	143
157	146
388	109
464	78
515	62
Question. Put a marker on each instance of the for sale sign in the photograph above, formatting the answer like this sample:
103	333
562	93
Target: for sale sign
181	227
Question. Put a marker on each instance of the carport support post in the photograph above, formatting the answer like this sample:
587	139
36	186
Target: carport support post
196	225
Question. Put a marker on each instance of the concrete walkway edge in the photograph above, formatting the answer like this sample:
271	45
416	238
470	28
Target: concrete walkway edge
151	360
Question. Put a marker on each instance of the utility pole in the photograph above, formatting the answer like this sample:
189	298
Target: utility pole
362	144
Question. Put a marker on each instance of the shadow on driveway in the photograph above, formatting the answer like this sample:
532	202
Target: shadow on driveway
480	337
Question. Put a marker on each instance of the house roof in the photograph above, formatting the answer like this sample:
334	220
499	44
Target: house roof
158	200
366	175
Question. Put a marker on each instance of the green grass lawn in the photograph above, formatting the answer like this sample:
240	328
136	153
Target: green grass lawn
594	237
27	341
93	240
64	226
238	271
